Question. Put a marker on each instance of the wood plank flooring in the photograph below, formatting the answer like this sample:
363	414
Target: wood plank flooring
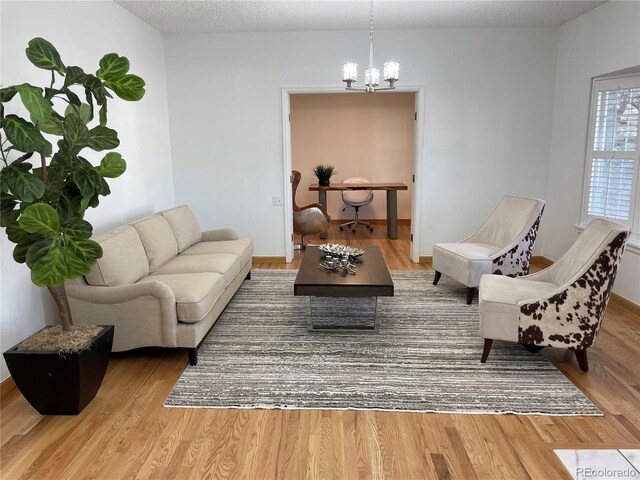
126	433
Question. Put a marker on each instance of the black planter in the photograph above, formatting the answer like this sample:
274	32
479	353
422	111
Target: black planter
324	182
61	384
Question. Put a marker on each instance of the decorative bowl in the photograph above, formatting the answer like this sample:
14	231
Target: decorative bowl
341	250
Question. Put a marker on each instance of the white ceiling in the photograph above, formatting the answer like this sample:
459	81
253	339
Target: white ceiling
190	16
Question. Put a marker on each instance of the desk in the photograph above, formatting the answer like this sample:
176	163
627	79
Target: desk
392	199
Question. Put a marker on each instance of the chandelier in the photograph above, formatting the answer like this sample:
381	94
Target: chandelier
371	75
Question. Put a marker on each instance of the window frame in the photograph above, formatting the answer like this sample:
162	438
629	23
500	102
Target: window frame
599	84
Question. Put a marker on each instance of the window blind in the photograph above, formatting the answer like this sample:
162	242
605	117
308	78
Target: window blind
614	129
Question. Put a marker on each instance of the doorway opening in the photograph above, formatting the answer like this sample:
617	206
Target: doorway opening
373	136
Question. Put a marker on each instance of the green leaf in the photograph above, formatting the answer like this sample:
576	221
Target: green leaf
52	125
15	233
38	106
73	98
103	114
10	218
51	269
23	184
85	183
89	97
65	259
24	136
77	228
76	133
83	110
40	218
87	250
103	138
21	249
7	93
96	87
112	65
112	165
44	55
74	75
7	202
37	250
128	87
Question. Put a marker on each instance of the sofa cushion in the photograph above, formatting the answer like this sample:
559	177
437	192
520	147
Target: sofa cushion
226	264
123	259
158	240
464	262
184	225
243	248
195	293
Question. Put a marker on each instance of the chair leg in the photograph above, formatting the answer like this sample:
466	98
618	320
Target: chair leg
436	278
302	245
581	356
488	342
471	291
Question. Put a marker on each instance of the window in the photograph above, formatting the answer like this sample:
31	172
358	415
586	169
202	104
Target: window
613	153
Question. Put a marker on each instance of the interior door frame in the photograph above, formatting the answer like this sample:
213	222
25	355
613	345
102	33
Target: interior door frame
418	136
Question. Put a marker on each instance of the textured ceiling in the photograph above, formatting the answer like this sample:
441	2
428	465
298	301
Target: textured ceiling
172	16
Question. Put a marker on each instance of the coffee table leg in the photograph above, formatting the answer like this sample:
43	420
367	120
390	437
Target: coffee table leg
346	328
308	313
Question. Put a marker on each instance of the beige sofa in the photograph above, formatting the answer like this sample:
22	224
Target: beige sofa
161	281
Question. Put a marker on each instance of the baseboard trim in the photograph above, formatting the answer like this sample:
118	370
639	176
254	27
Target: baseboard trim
625	304
268	260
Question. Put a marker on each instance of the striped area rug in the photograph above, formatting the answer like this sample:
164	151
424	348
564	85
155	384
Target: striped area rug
426	357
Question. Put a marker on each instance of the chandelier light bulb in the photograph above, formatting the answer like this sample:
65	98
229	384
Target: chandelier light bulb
350	72
391	71
375	77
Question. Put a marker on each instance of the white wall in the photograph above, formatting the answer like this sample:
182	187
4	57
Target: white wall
601	41
489	99
83	32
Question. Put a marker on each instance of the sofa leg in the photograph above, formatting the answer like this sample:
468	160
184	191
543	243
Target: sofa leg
248	277
193	355
581	356
471	291
436	278
488	342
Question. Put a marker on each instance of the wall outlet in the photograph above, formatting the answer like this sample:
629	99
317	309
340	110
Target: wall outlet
276	201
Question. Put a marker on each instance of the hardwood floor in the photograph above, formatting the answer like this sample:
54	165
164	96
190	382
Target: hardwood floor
126	433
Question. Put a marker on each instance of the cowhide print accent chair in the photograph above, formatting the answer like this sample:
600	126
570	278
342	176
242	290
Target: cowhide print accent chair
502	245
561	306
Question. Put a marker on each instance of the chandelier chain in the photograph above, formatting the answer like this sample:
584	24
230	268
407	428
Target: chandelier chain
371	24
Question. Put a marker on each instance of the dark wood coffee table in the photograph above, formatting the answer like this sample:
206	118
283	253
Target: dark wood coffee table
372	279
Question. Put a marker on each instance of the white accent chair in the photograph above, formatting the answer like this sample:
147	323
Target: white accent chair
502	245
560	306
356	199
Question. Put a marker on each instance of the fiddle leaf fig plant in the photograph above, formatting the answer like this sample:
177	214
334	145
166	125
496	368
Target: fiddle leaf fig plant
46	185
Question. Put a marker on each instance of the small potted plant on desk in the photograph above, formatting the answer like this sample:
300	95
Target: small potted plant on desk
324	173
59	369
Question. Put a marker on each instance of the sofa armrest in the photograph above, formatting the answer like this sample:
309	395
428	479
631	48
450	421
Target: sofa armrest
144	314
119	294
220	234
